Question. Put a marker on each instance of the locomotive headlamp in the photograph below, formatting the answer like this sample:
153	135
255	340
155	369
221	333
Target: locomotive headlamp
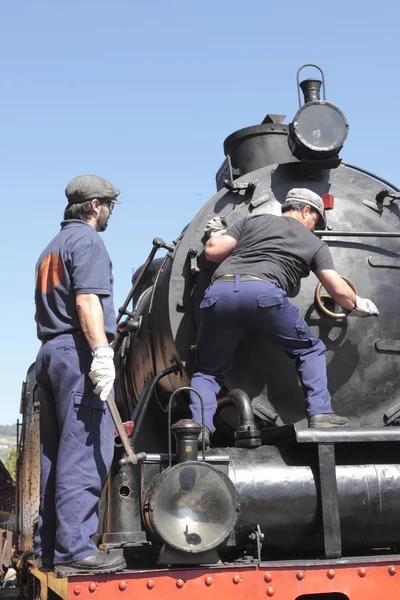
192	507
319	128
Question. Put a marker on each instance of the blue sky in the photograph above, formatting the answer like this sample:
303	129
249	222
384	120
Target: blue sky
144	93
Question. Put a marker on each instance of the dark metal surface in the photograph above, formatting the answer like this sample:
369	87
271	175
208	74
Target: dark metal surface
358	377
257	146
329	501
124	523
279	491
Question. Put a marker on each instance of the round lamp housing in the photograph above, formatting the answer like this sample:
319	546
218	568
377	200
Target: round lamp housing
318	130
192	507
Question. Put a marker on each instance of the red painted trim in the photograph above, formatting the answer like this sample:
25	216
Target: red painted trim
362	581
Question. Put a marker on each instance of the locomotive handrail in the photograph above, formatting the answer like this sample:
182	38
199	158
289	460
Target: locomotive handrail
388	234
361	170
157	244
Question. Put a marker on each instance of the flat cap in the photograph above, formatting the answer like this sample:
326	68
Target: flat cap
89	187
306	196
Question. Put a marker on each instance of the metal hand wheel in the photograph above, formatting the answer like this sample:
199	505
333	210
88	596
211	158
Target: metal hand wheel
320	297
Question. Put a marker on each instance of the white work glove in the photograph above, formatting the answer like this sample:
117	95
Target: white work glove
102	371
364	308
215	226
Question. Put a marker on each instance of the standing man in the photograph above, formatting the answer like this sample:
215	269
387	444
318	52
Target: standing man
75	374
263	260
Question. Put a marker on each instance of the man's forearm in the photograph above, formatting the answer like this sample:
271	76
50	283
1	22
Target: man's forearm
91	318
337	288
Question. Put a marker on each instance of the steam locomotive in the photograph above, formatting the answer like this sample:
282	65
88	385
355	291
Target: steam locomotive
272	508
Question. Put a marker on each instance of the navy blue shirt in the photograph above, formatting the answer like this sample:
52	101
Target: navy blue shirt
74	262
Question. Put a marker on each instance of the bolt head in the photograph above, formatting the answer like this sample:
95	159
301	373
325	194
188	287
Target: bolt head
150	584
77	590
300	575
330	573
180	583
270	591
208	581
267	577
92	586
236	578
362	572
122	585
392	570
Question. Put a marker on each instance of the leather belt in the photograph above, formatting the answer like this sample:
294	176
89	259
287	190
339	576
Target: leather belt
54	335
222	278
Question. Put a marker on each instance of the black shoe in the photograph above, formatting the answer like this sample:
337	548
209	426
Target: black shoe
98	563
325	421
44	564
207	434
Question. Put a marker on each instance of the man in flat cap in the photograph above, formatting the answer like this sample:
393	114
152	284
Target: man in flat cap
75	374
263	258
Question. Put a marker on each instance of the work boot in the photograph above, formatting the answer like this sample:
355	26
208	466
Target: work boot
98	563
207	435
44	564
325	421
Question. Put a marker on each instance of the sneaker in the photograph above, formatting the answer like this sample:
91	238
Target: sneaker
207	435
98	563
326	420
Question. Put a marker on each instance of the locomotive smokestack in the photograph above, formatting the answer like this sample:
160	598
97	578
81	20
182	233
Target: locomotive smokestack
311	89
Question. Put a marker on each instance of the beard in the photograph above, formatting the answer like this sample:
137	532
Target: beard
102	220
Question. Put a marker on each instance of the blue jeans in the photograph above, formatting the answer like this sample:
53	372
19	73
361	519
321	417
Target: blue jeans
229	310
76	445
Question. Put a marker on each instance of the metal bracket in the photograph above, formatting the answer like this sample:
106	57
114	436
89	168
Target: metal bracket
235	186
194	268
329	501
132	325
257	537
380	198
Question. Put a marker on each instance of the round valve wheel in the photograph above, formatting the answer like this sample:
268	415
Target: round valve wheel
323	299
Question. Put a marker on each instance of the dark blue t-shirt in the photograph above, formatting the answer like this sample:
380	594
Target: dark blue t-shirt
75	262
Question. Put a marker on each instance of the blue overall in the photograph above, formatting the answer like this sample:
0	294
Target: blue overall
232	308
77	444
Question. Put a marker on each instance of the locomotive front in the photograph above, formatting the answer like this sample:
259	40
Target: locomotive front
276	468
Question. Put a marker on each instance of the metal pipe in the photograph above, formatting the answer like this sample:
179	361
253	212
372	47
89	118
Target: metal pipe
247	435
145	397
163	458
377	234
157	244
360	170
284	500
